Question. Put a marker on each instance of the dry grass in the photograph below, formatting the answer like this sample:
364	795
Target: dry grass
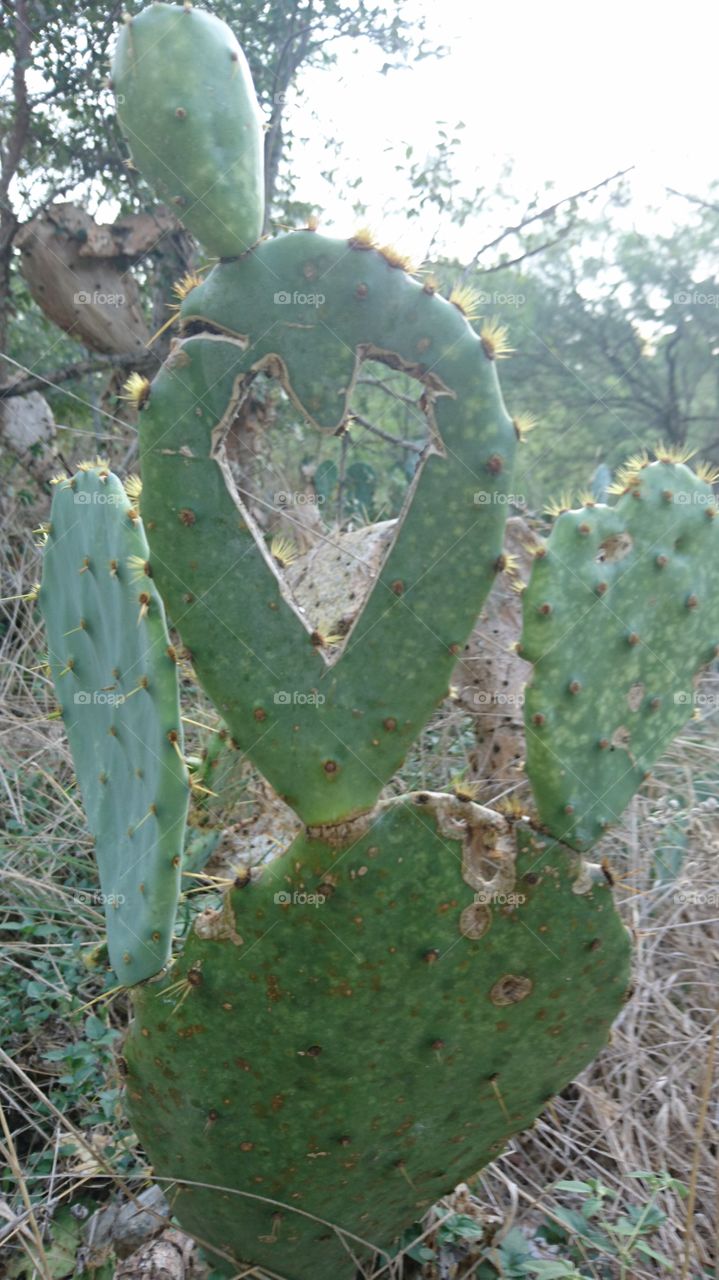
636	1108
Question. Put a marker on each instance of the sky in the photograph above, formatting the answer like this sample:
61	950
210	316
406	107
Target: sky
571	92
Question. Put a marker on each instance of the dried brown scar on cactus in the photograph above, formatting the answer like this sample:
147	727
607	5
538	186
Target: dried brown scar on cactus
488	848
218	925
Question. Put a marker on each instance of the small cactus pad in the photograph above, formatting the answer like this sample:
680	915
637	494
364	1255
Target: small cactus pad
116	680
366	1024
188	109
620	615
327	733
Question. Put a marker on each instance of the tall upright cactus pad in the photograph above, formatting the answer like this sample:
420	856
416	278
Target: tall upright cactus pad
620	615
115	676
326	733
363	1026
187	107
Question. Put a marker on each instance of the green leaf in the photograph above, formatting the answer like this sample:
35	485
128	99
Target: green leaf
642	1247
551	1270
514	1251
460	1227
38	990
578	1225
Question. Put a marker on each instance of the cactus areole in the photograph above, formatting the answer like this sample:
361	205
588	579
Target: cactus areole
353	1030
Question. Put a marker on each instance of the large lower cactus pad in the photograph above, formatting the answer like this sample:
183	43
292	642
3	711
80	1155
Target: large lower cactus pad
620	615
187	107
116	680
366	1025
326	734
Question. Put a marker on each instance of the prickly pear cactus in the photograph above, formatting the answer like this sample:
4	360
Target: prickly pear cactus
346	1034
326	733
114	671
620	615
187	107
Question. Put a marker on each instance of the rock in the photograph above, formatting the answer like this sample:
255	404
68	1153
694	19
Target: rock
172	1257
26	421
123	1228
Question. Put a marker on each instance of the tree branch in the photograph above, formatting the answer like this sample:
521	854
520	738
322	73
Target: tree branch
12	154
529	253
703	204
40	382
385	435
542	215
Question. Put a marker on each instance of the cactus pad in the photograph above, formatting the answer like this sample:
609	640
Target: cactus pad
620	615
188	109
327	733
364	1025
115	676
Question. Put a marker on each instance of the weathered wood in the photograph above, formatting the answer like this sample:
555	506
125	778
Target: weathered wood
94	299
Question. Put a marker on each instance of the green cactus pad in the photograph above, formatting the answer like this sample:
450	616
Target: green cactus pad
116	680
365	1025
620	615
326	734
187	107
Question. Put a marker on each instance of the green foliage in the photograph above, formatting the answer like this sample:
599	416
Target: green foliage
63	1250
74	136
43	1008
602	1239
601	1229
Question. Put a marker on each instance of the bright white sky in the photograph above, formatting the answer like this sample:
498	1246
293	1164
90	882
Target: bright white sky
571	91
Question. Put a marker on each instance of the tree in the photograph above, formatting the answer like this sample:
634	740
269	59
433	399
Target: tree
58	119
617	343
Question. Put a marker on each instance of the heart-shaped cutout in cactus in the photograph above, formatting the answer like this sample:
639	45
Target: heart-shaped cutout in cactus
326	733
